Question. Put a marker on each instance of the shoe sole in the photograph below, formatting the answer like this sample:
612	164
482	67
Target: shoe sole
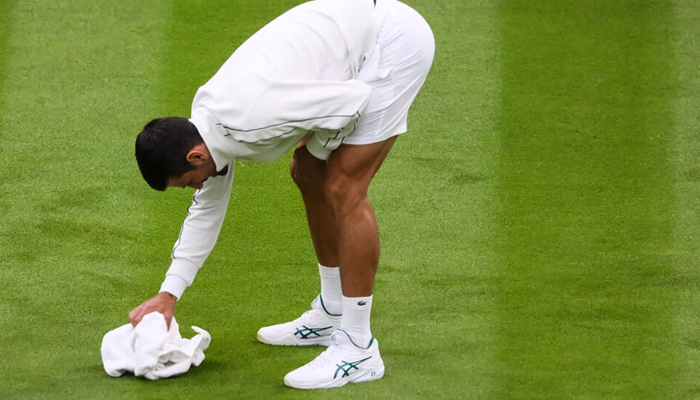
293	341
368	376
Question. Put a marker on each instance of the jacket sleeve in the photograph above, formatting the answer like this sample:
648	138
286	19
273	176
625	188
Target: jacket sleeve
329	108
199	232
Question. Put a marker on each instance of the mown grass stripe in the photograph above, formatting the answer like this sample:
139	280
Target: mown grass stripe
73	83
686	184
435	202
587	200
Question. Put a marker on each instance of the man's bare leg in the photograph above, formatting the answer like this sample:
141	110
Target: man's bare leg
344	233
309	174
340	216
349	173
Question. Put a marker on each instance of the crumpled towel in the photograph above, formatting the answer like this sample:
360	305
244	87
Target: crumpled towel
150	350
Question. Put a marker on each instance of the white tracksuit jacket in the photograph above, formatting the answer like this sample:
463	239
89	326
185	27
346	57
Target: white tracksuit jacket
296	75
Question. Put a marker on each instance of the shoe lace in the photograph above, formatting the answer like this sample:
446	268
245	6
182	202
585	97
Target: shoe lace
328	355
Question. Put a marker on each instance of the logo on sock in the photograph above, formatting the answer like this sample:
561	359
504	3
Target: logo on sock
361	303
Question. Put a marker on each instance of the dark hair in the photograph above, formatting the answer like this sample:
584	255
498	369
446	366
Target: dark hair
162	147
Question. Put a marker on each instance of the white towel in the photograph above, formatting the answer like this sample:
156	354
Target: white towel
150	350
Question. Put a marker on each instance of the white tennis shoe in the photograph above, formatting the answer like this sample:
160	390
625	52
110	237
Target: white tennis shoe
313	327
342	362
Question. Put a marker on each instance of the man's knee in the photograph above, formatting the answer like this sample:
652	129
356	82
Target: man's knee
307	171
344	193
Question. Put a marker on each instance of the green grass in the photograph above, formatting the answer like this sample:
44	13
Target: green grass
539	221
587	201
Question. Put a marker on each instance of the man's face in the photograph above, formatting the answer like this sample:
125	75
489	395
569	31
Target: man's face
194	178
204	168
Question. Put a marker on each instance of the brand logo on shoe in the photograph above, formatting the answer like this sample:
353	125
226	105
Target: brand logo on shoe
310	333
361	303
348	367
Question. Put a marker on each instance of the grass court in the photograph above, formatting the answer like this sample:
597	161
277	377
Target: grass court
540	221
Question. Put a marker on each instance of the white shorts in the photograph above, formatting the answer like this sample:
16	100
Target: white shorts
403	56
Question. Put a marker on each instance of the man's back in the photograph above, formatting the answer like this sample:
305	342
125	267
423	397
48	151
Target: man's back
315	41
295	74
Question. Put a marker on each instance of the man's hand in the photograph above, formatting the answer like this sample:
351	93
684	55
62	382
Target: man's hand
163	303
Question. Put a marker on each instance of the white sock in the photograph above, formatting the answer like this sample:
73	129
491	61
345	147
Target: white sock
331	291
356	313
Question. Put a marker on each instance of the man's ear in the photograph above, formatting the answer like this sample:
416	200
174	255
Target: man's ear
198	155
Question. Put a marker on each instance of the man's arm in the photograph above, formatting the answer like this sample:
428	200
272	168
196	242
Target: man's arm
198	235
329	108
200	230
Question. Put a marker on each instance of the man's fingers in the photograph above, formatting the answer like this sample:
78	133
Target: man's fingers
168	320
163	303
135	316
